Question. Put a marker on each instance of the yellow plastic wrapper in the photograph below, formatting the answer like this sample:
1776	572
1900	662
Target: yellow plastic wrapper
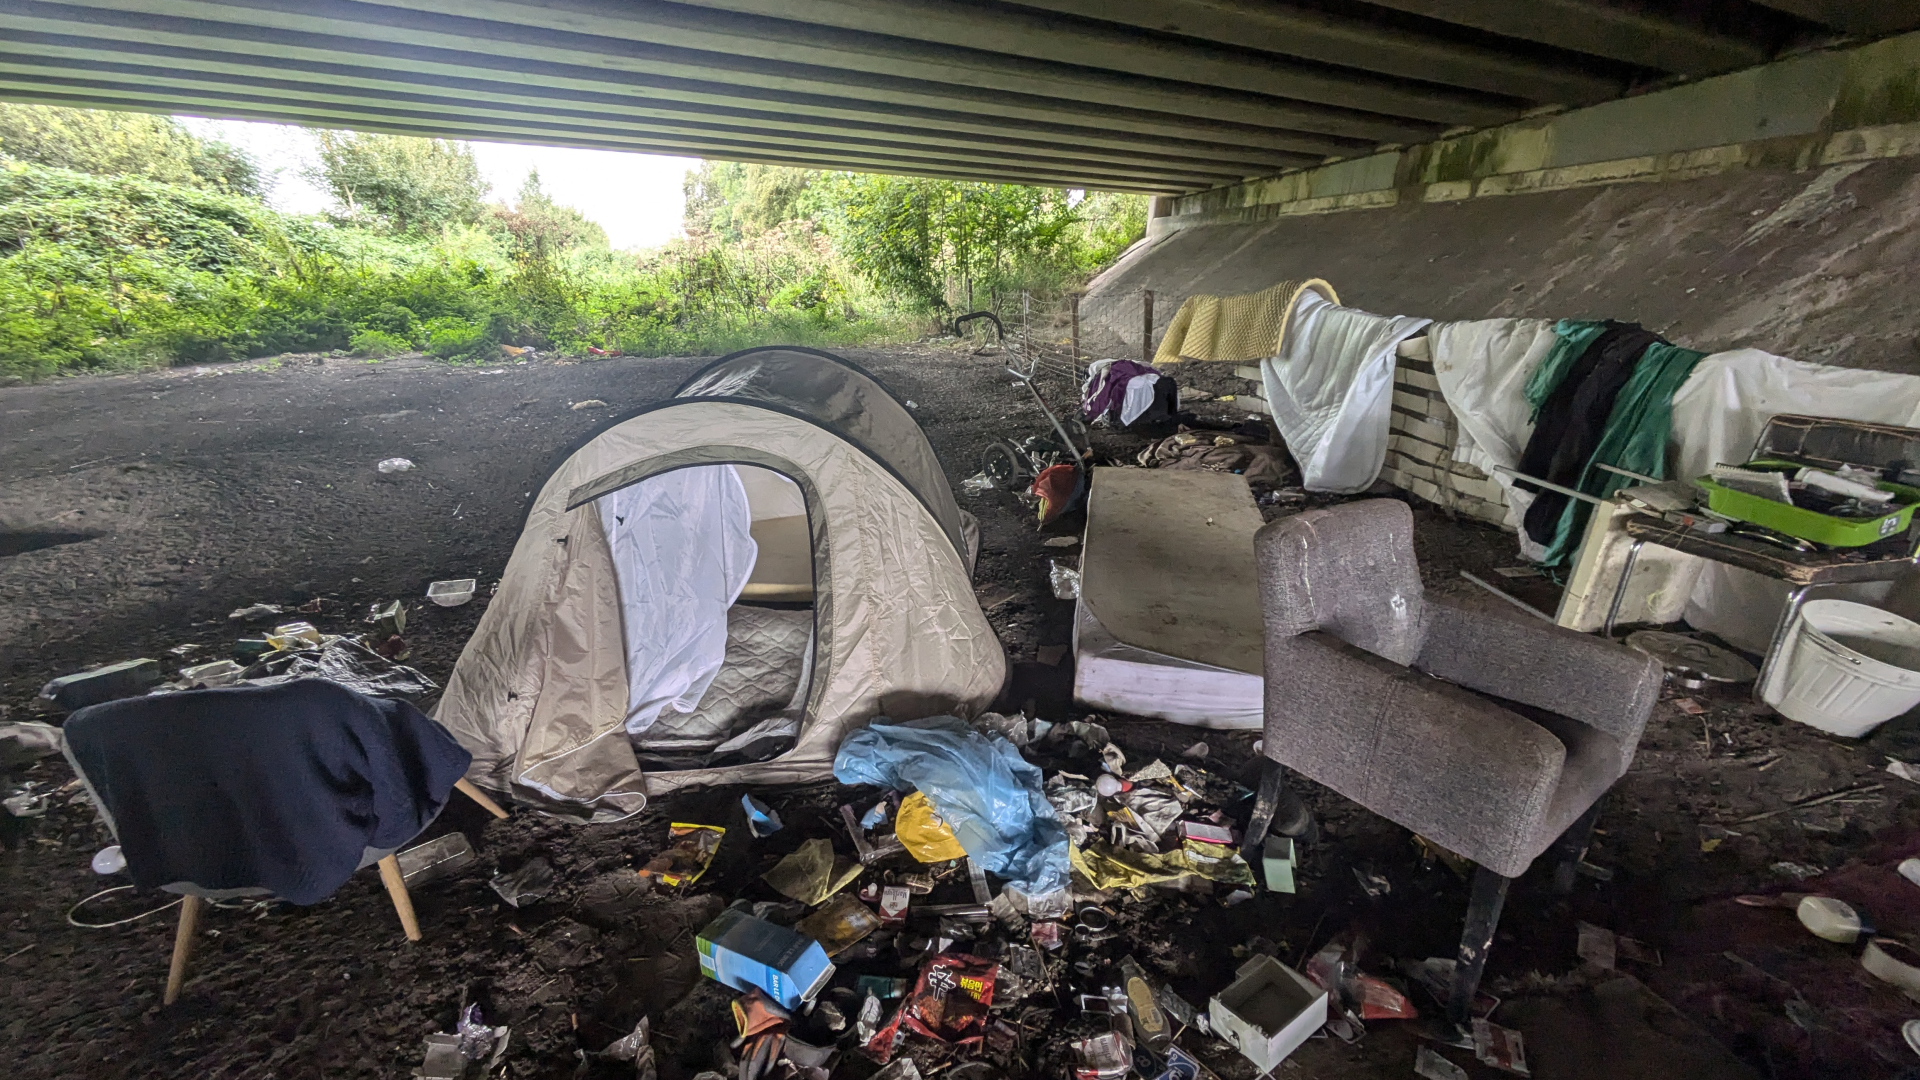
689	852
1108	867
812	873
926	836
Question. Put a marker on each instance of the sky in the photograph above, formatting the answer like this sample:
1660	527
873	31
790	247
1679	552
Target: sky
637	198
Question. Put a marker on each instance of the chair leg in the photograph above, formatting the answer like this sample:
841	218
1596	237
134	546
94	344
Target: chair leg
465	788
182	947
1483	914
1276	803
1572	847
397	890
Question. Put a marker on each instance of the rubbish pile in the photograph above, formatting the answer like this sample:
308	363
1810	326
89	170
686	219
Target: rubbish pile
367	662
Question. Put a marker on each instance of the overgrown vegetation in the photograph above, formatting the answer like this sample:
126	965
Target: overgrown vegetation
127	241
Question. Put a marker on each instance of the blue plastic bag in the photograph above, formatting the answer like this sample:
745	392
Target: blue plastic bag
983	788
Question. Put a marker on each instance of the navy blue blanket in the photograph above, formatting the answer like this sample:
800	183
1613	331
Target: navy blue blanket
279	787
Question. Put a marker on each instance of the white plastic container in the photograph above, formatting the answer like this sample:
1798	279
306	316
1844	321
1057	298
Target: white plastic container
451	593
1846	668
1268	1011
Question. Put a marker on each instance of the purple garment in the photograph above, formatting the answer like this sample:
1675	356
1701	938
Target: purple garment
1105	395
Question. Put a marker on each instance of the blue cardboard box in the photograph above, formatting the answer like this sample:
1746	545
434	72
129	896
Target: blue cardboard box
744	952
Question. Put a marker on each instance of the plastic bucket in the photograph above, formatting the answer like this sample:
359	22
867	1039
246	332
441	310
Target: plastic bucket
1846	668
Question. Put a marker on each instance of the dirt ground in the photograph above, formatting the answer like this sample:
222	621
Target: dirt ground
137	511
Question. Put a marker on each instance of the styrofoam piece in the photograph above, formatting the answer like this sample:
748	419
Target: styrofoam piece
1268	1011
1846	668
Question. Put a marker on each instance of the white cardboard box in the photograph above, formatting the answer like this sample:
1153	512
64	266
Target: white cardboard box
1268	1011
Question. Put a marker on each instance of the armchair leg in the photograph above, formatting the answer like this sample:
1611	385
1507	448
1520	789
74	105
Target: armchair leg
1483	914
182	947
1276	806
1572	847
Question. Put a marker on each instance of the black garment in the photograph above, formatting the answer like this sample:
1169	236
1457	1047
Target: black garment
1166	403
1573	418
281	787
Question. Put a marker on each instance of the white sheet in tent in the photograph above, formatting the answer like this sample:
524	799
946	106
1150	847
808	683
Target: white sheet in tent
682	551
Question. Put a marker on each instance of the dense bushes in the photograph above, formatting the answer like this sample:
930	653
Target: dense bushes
170	258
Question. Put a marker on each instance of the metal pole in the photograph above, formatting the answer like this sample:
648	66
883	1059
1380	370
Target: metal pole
1073	308
1550	486
1146	326
1508	597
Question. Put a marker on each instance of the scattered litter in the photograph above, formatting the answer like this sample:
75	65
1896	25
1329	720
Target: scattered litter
1105	1056
216	673
590	403
108	860
840	923
812	873
1062	541
448	1056
1432	1066
1198	751
1689	706
1596	945
387	619
526	885
1277	859
762	820
741	951
1833	920
689	852
441	857
1904	770
451	593
1895	963
977	484
29	801
637	1047
1910	869
1500	1047
1797	871
608	353
949	1004
1268	1011
1374	884
984	790
347	662
257	611
1065	581
1237	896
394	465
27	741
913	404
129	678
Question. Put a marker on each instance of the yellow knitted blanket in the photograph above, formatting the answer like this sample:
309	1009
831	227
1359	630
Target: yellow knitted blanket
1250	326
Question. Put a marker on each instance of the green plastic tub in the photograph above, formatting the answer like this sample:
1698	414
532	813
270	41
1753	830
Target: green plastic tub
1811	524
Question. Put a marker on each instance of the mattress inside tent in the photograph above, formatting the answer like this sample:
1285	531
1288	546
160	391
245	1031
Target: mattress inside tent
1168	624
761	688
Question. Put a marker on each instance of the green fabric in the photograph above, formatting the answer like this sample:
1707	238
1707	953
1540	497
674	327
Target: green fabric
1634	439
1575	335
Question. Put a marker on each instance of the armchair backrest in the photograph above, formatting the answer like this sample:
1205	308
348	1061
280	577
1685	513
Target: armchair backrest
1349	571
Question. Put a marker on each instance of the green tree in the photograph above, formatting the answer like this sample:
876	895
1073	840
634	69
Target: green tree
405	184
124	144
538	225
734	200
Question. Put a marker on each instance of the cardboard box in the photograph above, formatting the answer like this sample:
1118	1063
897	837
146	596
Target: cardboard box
744	952
1268	1011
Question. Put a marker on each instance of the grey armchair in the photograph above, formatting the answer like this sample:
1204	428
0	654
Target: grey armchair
1400	703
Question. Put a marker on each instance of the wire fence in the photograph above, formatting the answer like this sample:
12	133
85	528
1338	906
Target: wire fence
1051	337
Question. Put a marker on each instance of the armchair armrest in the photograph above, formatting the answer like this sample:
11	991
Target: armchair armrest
1579	676
1474	777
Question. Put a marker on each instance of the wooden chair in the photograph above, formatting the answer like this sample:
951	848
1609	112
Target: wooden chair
390	876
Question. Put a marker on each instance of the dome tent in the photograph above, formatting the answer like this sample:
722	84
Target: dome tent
778	488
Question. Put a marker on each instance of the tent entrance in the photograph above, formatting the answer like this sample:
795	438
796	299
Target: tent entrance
718	610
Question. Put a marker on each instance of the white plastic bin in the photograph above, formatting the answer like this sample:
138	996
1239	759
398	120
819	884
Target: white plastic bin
1846	668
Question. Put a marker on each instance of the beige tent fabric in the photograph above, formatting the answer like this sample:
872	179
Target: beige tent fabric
1250	326
539	695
